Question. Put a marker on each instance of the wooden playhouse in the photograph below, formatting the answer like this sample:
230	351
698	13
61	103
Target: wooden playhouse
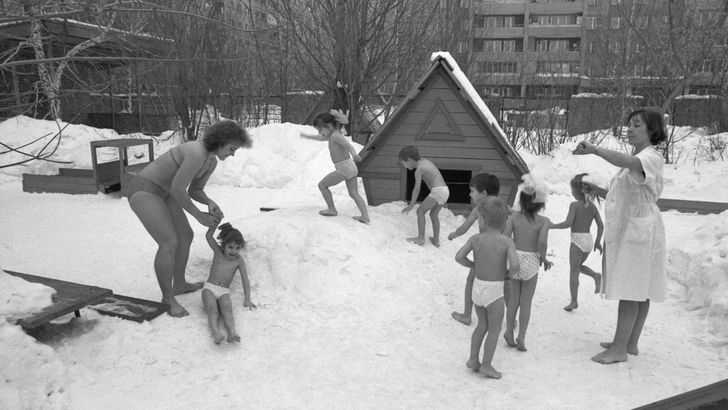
450	124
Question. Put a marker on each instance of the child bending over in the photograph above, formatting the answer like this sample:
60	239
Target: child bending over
481	186
494	258
530	233
343	156
410	158
226	261
582	213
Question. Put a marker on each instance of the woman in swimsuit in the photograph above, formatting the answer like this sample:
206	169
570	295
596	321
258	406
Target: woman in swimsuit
165	188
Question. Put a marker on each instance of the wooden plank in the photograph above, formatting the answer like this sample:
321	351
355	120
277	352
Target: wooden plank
133	169
129	308
108	172
700	207
69	297
714	395
76	172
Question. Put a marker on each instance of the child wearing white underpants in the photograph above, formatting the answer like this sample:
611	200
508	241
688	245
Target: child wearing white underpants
530	234
582	213
494	258
226	261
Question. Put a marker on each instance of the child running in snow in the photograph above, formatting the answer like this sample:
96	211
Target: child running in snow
582	213
494	258
481	186
530	233
226	260
343	156
410	158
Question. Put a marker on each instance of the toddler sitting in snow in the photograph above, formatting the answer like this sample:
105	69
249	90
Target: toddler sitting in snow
216	291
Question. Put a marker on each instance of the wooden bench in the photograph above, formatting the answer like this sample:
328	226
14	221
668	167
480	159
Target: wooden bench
69	297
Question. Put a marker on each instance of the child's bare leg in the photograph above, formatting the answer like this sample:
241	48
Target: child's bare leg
506	291
425	206
576	257
494	313
213	315
226	309
589	272
513	304
329	180
627	314
465	317
353	187
435	218
477	339
528	288
634	337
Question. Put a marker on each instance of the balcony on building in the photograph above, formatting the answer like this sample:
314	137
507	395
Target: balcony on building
555	6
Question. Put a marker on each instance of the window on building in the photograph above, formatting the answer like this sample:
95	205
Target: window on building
591	23
506	92
615	2
639	70
614	46
557	67
615	22
499	67
591	2
642	22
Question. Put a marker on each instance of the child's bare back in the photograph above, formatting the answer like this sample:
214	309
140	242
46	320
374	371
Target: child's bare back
584	215
490	255
527	231
430	174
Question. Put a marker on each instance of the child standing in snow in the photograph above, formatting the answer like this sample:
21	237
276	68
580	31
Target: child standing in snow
343	155
410	158
226	260
481	186
581	214
494	258
530	233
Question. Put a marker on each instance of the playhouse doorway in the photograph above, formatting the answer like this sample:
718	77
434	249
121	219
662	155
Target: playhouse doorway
458	182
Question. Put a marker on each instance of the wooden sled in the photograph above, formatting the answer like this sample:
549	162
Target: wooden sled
129	308
711	397
69	297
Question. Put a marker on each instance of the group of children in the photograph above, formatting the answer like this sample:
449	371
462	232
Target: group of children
507	252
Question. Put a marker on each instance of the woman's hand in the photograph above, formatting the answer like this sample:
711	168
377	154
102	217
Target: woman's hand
208	220
584	148
215	210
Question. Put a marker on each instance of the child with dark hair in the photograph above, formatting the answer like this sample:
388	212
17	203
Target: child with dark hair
530	233
343	155
494	259
409	157
582	213
226	261
481	186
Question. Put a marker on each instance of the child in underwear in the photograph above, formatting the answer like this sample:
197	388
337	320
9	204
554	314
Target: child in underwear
582	213
481	185
409	157
530	233
343	155
494	259
226	261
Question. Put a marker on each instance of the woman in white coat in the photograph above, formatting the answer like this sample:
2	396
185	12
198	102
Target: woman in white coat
634	250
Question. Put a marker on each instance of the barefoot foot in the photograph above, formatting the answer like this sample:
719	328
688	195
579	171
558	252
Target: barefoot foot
598	283
218	338
609	356
435	242
460	317
521	344
509	339
361	219
571	306
473	364
233	338
175	309
630	349
489	371
417	240
186	287
328	212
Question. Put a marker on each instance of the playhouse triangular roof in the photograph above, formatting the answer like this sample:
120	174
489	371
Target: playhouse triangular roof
443	62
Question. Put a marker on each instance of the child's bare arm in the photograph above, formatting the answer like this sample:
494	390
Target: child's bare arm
461	256
246	282
543	238
339	139
465	226
600	230
415	191
514	267
508	231
211	240
569	218
312	136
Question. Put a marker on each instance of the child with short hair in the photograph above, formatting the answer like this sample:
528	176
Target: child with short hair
410	158
481	186
343	156
582	213
226	260
530	233
494	258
